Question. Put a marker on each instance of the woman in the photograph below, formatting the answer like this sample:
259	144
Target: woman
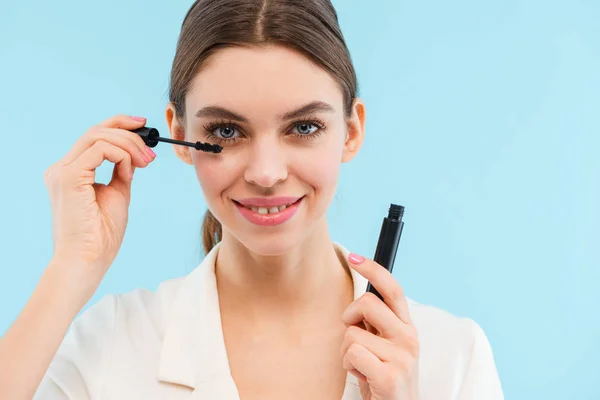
276	310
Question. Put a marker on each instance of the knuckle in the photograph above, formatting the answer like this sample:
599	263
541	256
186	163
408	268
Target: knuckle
119	121
100	144
405	365
352	333
347	360
414	335
49	174
54	172
353	351
369	298
127	158
94	131
127	145
105	147
414	353
397	293
137	139
414	345
389	379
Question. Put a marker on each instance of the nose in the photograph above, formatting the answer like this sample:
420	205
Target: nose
266	164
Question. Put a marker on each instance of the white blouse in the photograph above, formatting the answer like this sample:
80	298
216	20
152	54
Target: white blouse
169	344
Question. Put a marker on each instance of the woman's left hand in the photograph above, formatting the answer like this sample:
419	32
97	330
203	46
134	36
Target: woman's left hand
381	346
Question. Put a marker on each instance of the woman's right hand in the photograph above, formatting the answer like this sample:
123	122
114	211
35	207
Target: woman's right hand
89	218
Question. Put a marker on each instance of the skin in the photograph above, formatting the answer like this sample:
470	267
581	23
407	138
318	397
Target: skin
277	283
284	288
89	223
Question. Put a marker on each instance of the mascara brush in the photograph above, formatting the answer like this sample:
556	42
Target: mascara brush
151	137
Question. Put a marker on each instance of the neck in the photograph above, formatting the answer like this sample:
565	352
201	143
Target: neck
290	285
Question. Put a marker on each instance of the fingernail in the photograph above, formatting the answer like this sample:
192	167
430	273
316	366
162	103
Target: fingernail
145	156
355	258
149	151
138	118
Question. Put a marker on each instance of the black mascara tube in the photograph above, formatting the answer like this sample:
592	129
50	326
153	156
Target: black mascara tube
389	238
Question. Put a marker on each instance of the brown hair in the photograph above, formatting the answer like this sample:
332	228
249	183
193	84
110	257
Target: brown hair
308	26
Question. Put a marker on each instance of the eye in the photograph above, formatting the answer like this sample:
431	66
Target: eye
306	128
225	132
222	132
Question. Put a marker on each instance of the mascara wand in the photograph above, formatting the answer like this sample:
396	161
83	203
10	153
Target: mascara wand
152	137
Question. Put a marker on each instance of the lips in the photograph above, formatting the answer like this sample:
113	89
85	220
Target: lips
268	211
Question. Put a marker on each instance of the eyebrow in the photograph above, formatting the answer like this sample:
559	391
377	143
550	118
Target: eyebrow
220	112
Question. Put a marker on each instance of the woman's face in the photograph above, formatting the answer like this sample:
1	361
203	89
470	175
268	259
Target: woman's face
281	123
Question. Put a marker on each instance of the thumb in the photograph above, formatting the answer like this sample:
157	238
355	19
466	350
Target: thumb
122	177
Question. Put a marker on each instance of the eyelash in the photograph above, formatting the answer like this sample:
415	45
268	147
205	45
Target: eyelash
210	128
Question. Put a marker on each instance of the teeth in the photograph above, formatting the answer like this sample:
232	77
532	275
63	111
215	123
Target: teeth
270	210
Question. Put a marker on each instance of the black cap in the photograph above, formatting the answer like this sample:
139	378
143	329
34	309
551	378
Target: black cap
149	135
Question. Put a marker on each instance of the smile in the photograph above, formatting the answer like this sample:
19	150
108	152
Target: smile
268	211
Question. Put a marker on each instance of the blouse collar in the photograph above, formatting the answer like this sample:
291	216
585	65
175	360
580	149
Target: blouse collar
193	353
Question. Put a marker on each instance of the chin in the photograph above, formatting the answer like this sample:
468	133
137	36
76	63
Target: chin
270	244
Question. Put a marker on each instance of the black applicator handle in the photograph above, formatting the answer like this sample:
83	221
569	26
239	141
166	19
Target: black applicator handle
389	238
151	137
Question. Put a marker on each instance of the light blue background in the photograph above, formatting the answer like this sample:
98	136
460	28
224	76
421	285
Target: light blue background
482	119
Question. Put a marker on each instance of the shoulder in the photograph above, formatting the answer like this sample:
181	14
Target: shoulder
116	328
439	328
136	304
106	331
139	311
430	318
114	318
455	355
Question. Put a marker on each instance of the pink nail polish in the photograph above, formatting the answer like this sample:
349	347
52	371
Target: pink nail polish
138	118
145	156
355	258
149	151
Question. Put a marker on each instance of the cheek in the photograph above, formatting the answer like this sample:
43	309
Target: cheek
215	174
320	167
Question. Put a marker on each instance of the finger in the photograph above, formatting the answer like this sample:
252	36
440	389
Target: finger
368	327
126	123
122	121
358	375
116	136
369	308
382	348
121	178
123	139
360	359
100	151
385	283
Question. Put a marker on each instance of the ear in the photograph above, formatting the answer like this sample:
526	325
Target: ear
355	130
177	130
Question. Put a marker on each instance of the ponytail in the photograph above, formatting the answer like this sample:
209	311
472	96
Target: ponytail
211	232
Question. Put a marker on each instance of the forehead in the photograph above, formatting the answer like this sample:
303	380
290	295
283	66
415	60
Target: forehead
274	78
